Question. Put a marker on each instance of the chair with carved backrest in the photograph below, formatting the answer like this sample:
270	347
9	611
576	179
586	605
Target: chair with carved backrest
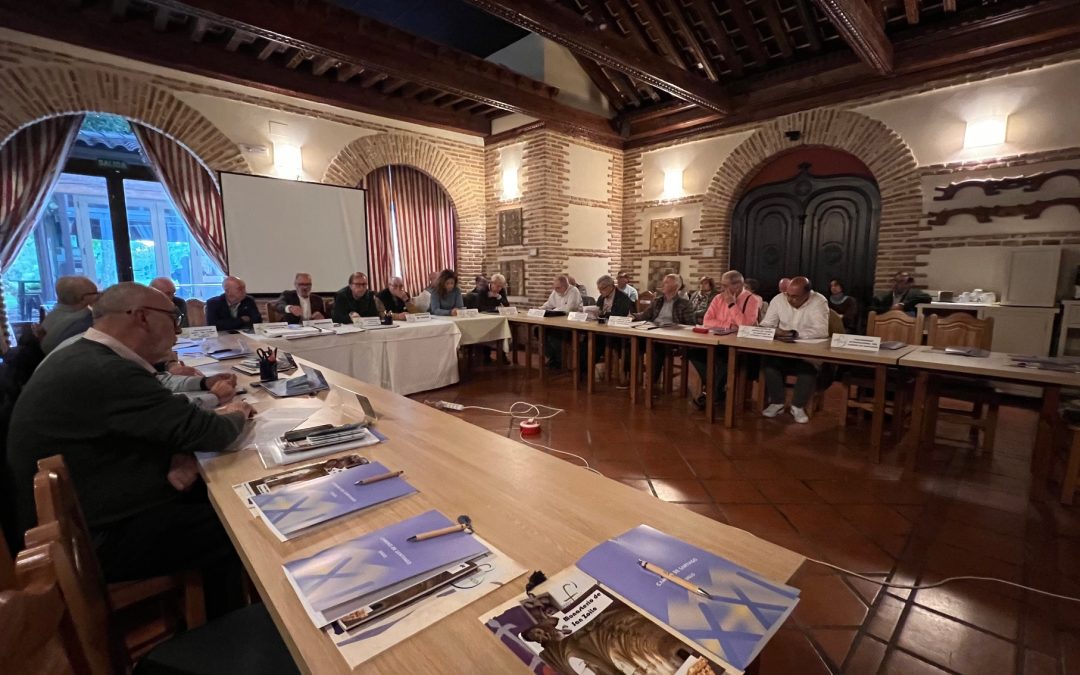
196	310
891	326
56	501
644	300
272	313
963	330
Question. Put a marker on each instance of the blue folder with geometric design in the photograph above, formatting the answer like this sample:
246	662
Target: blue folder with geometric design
734	624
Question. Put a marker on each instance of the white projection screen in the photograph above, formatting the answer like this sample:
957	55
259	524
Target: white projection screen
275	228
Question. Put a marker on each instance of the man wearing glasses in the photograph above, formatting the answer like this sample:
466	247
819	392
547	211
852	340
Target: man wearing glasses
71	315
356	300
128	442
300	305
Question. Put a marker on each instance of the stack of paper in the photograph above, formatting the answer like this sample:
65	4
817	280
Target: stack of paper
298	509
303	474
295	331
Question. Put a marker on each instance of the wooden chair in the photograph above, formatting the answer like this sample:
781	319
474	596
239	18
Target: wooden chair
328	304
272	314
196	312
891	326
56	501
644	299
962	330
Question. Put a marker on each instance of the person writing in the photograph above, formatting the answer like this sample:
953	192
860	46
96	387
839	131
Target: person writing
356	300
446	297
234	309
300	304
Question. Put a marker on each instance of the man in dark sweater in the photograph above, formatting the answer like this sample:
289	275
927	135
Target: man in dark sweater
394	298
234	309
128	442
356	299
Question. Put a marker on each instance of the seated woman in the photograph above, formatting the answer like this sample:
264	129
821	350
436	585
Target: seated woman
699	301
844	305
446	297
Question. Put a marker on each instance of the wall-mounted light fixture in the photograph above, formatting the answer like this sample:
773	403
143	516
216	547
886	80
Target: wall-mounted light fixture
288	160
986	131
510	188
673	184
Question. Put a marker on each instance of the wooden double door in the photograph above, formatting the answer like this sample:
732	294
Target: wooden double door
820	228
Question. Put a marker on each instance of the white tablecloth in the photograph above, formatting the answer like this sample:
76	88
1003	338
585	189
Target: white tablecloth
479	329
406	359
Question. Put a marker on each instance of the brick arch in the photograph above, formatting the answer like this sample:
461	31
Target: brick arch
876	145
33	94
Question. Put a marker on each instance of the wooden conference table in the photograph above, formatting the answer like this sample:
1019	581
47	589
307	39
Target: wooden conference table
542	511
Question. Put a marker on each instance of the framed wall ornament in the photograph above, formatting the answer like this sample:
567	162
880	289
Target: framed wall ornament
658	269
664	235
511	228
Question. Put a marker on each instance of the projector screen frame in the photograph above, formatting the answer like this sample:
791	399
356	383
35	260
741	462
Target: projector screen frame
225	231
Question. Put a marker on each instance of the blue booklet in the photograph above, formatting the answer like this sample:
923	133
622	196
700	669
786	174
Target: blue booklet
358	572
295	509
741	611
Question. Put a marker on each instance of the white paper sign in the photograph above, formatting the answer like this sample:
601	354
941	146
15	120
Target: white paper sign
271	325
863	343
200	332
419	316
328	324
623	321
757	332
470	312
508	311
370	322
536	313
577	316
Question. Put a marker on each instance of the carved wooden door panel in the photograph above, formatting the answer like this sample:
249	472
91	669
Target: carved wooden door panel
774	244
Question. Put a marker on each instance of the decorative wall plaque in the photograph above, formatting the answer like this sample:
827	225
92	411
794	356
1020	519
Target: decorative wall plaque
664	235
511	229
985	214
514	271
658	269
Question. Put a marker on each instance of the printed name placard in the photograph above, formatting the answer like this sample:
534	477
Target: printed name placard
320	323
470	312
370	322
508	311
757	332
577	316
863	343
536	313
419	316
623	321
200	332
270	325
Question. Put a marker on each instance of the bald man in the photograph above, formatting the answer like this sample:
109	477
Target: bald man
71	315
128	442
234	309
166	286
800	313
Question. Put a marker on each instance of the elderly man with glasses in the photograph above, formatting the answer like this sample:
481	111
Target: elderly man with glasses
128	442
395	299
300	305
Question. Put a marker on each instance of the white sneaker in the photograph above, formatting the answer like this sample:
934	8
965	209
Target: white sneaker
800	415
773	410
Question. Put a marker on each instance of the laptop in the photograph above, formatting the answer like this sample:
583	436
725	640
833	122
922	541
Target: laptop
309	381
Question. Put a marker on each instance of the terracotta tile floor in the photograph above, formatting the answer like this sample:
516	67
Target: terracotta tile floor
810	488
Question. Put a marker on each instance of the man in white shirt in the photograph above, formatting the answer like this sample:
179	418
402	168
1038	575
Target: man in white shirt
622	281
300	305
799	313
564	298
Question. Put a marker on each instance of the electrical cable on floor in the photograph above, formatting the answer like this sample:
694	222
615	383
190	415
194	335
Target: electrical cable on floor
584	462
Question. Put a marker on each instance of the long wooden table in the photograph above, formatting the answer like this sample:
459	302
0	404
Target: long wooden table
542	511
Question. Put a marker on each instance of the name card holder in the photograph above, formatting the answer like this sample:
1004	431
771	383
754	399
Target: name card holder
321	324
369	322
470	312
757	332
508	311
263	328
577	316
536	313
620	321
200	332
862	343
419	316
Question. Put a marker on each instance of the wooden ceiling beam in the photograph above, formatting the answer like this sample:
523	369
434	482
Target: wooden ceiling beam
862	32
667	45
719	35
810	29
198	30
323	64
568	28
347	72
320	28
634	32
748	30
599	78
911	11
878	8
372	79
625	87
161	19
239	37
776	26
704	62
94	27
269	49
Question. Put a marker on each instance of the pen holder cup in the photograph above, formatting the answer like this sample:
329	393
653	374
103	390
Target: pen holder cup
267	370
387	319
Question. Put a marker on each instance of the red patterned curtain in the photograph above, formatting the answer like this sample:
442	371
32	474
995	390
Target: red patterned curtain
192	189
426	220
380	239
30	164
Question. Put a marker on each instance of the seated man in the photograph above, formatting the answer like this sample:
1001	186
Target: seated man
800	313
622	281
573	282
395	299
669	307
300	305
735	306
563	298
128	442
356	300
71	315
494	296
166	286
233	309
903	296
611	302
